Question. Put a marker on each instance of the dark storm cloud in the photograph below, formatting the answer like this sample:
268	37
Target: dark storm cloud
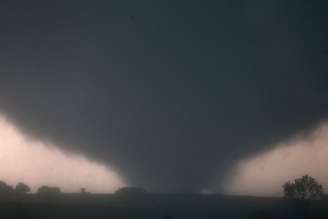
169	93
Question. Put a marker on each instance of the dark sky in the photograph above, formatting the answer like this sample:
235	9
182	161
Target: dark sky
168	93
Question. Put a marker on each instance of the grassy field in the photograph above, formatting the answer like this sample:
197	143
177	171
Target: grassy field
153	206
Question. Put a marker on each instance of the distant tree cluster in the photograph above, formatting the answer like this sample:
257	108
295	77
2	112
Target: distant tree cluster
131	191
304	188
20	188
46	190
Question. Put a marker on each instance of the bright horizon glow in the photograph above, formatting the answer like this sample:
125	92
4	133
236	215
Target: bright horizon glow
38	163
265	173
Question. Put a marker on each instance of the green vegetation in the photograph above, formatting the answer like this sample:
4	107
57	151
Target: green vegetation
304	188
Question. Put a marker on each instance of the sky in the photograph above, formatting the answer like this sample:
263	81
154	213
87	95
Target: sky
264	174
169	95
39	163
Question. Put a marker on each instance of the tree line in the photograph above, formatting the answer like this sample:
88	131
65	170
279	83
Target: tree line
303	188
22	188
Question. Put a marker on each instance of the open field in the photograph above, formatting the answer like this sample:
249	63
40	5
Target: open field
161	206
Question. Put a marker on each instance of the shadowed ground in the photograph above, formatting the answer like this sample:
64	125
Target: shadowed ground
159	206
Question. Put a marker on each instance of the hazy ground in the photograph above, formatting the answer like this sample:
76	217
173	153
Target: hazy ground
157	206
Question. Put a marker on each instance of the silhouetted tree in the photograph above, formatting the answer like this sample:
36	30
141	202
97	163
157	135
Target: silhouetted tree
22	188
131	191
5	189
304	188
46	190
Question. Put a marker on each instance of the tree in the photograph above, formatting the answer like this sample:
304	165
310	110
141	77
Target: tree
5	188
304	188
131	191
22	188
46	190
